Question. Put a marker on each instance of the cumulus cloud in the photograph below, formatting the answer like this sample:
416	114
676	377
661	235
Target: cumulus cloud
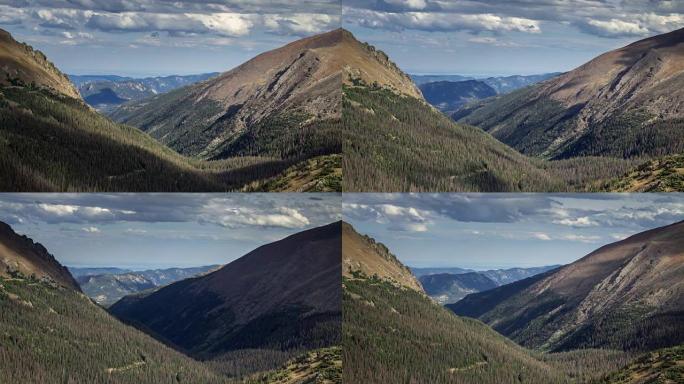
230	211
428	21
583	221
281	217
603	18
90	229
615	27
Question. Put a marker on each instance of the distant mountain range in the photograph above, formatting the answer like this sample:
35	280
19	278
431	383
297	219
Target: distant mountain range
452	92
107	285
626	295
448	96
450	287
105	92
500	84
282	297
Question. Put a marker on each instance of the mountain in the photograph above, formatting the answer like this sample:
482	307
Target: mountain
501	84
626	295
50	140
511	275
21	256
478	304
420	272
506	84
21	65
665	174
424	79
448	96
500	276
105	92
283	296
449	285
52	333
363	256
108	287
279	103
395	334
78	272
624	103
448	288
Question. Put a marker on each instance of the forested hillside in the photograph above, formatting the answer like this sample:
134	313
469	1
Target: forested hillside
399	143
56	335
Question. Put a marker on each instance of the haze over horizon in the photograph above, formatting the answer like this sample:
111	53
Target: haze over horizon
475	38
496	231
151	231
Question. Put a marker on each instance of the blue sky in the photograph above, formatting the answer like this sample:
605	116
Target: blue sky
472	37
141	231
503	37
486	231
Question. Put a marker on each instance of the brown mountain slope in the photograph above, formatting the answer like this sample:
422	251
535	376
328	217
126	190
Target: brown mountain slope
624	103
20	63
625	295
363	255
19	254
282	296
268	103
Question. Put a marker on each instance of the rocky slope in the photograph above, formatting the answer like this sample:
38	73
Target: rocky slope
284	93
363	257
624	103
282	296
22	257
21	64
625	295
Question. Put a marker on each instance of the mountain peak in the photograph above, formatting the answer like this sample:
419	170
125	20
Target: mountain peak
20	64
19	254
363	255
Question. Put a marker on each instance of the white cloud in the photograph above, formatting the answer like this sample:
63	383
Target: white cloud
581	238
58	209
583	221
433	21
300	23
408	4
541	236
616	27
237	217
90	229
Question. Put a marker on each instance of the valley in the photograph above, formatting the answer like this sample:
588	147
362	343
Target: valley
331	113
270	316
613	316
43	113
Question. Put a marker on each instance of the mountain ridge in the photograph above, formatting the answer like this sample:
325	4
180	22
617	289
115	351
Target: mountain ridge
21	255
623	103
624	295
